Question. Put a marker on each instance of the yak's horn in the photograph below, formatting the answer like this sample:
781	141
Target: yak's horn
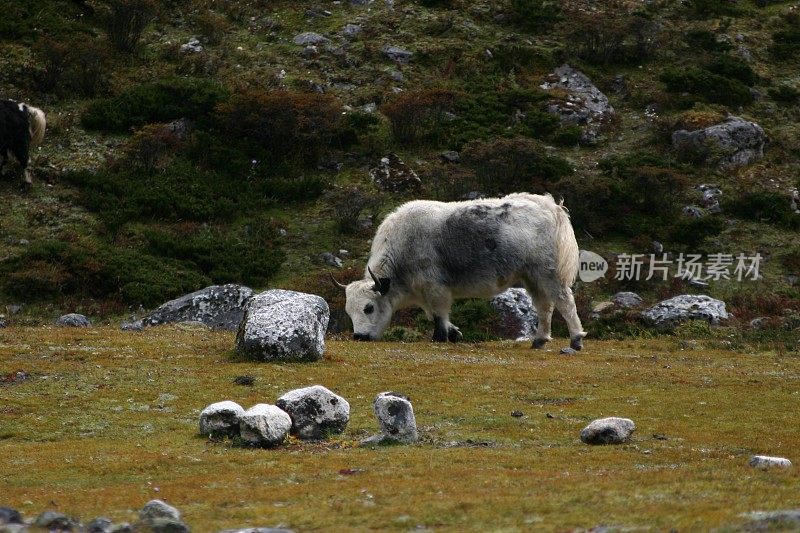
340	285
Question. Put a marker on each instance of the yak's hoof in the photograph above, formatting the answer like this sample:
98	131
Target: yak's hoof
576	343
454	334
440	336
538	343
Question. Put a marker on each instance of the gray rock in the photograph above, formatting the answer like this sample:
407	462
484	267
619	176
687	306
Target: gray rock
627	300
392	174
158	509
759	322
54	520
217	306
192	47
309	38
2	323
735	142
517	313
567	351
132	325
167	525
351	31
600	308
396	53
283	325
692	211
765	462
315	411
451	156
73	320
10	516
331	260
13	309
264	425
395	416
221	419
612	430
100	525
258	530
585	105
673	311
775	520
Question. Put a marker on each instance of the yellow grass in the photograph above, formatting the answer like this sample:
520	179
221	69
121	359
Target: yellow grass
88	434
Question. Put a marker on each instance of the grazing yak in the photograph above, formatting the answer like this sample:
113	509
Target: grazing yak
427	254
21	128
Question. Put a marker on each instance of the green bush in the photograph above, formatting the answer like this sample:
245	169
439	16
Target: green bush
25	20
717	8
504	166
785	44
160	101
764	206
419	117
706	85
568	136
785	94
535	15
247	255
126	20
733	68
705	40
72	65
52	268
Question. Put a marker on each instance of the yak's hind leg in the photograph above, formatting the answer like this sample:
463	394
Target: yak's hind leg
438	302
544	309
565	303
20	151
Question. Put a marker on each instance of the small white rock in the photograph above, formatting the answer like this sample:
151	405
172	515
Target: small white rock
221	418
315	411
765	461
395	416
264	425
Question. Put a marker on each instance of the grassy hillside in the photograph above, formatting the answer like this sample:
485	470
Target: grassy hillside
272	170
107	420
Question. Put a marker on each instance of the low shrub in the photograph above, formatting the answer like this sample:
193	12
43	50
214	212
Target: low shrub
347	204
503	166
160	101
51	268
717	8
785	44
785	94
24	21
279	127
706	85
766	206
706	41
126	20
246	255
211	26
152	147
535	15
75	65
613	35
733	68
418	117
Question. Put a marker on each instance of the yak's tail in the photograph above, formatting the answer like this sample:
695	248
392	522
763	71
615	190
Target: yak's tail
567	253
37	123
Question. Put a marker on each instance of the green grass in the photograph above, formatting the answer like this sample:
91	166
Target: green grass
88	434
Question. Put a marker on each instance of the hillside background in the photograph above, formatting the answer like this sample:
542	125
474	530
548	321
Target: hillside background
196	142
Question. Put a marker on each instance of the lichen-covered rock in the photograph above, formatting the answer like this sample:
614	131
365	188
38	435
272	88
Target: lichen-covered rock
283	325
316	412
264	425
158	509
612	430
10	516
221	419
217	306
73	320
395	416
55	521
517	313
396	53
735	142
351	31
627	300
765	462
584	105
309	38
788	520
671	312
392	174
100	525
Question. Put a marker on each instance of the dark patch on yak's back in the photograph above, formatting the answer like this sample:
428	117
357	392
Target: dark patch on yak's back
491	244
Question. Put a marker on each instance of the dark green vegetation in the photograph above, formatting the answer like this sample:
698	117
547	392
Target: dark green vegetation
245	161
125	431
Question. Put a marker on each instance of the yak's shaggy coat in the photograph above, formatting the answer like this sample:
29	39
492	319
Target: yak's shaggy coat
21	129
428	254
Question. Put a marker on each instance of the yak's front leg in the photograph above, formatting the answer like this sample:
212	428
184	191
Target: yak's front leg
439	300
444	331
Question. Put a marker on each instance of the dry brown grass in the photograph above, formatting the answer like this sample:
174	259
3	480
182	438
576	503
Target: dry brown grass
88	435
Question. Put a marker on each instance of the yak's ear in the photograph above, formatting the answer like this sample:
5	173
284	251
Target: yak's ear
383	286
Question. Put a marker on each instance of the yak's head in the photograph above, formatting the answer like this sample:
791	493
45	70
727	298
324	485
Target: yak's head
368	307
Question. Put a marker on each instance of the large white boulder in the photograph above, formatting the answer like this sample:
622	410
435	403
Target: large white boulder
217	306
283	325
517	313
673	311
611	430
221	419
